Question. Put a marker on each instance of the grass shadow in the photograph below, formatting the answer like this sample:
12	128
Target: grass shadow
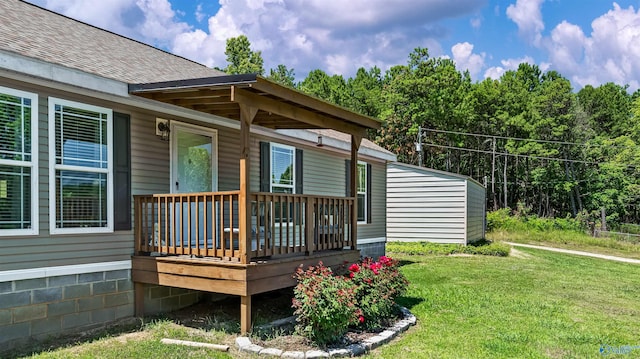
409	302
52	343
404	262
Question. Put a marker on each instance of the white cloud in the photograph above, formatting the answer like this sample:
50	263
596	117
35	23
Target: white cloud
509	64
566	46
199	14
476	22
150	21
527	15
332	35
610	54
465	59
159	23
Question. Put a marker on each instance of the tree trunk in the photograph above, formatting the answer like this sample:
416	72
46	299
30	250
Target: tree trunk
576	189
505	181
568	177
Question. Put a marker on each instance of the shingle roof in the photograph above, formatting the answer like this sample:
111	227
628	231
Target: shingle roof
344	137
35	32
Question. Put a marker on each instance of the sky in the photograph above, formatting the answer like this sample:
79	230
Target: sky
587	41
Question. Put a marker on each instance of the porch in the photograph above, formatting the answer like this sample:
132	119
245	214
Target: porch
244	242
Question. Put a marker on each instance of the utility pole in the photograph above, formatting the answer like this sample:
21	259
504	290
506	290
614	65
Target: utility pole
493	174
419	146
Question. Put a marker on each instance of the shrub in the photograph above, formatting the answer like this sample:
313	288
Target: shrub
377	285
427	248
502	219
488	248
324	304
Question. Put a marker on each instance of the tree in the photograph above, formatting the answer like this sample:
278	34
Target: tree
241	59
608	108
329	88
282	75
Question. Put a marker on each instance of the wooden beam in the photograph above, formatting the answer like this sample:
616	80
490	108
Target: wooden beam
294	112
177	94
210	100
245	314
138	295
300	98
355	145
247	114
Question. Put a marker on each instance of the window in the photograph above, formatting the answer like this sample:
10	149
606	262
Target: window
283	159
81	167
362	192
18	162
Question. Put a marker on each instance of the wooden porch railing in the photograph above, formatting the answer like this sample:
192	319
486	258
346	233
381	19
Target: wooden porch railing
206	224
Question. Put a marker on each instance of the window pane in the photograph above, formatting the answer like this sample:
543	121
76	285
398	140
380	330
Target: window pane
282	166
15	197
278	189
81	138
362	177
361	207
81	199
15	124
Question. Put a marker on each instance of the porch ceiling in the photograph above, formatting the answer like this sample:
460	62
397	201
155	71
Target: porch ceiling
278	107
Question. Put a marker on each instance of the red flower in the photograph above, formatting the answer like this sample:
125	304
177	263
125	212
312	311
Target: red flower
351	275
354	268
361	319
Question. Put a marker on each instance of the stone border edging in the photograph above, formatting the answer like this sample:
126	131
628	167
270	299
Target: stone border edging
351	350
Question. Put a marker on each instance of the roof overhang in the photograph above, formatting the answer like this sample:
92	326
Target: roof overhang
279	107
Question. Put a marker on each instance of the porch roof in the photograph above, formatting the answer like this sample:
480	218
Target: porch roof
279	107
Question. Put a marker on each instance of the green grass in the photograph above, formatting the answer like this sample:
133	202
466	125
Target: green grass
545	305
536	304
427	248
144	343
569	240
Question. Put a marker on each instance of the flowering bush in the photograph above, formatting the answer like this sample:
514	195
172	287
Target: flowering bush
377	285
324	304
327	304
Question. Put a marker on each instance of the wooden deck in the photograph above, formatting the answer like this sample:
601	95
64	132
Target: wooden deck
194	241
240	242
221	276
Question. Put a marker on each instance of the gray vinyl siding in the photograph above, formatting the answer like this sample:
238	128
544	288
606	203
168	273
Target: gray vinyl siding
45	250
475	211
377	227
324	175
425	205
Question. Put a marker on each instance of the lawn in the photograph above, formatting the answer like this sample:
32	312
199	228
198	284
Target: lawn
569	240
534	304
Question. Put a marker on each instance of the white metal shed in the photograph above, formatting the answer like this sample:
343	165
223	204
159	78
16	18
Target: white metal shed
427	205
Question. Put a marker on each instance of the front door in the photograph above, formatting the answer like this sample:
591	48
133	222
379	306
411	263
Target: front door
193	159
194	163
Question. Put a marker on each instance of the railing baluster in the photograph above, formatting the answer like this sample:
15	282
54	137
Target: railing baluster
280	224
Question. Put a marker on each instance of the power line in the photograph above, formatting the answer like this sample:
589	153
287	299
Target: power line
519	138
514	154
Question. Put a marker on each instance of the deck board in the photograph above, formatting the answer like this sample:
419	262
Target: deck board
226	277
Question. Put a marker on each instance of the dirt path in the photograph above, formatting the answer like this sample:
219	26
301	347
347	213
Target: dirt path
579	253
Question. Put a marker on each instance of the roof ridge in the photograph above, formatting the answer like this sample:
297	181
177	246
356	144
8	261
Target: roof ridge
113	33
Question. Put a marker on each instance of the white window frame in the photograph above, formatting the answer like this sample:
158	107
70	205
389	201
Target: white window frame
293	168
33	165
53	167
358	192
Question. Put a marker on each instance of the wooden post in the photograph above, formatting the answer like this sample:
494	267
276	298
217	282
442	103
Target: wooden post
309	232
138	300
247	114
355	145
245	314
